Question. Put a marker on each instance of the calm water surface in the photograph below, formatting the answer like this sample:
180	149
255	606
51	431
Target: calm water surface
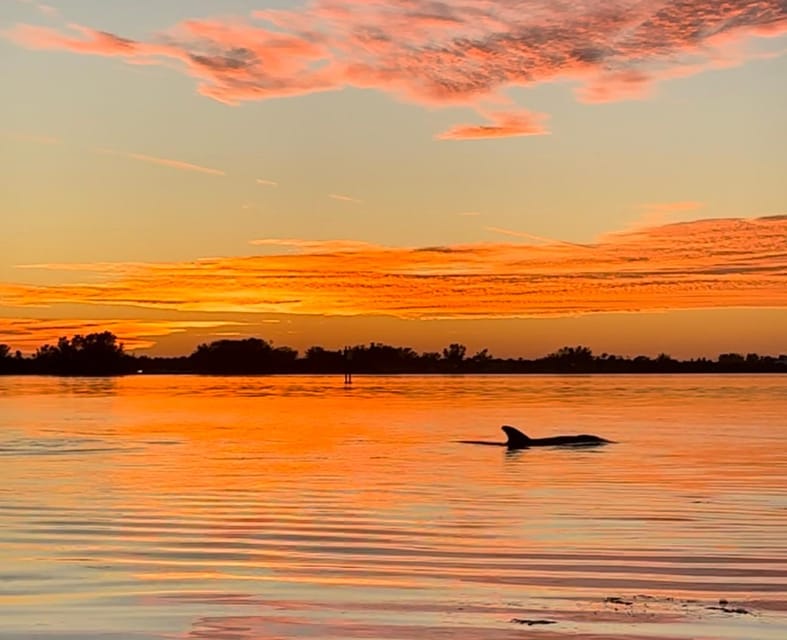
218	508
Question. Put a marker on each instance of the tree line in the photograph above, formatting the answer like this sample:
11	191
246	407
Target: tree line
102	354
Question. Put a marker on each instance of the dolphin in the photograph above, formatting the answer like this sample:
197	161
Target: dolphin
518	440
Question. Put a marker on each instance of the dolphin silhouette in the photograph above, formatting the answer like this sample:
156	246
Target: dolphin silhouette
518	440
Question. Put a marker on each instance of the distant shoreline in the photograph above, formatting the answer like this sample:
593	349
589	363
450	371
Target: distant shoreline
101	354
569	374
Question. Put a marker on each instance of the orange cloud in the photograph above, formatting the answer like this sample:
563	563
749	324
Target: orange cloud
504	125
467	52
344	198
27	334
166	162
315	246
714	263
658	213
672	207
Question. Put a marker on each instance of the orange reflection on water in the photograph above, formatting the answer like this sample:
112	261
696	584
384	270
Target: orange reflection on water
246	492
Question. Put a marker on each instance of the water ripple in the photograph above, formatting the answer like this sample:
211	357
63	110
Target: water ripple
215	508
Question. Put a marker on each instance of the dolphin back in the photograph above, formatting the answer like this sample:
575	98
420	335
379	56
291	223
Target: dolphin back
516	439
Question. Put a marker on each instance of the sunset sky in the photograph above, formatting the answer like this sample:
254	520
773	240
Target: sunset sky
511	175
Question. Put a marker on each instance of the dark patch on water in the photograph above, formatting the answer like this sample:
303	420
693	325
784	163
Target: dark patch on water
531	622
35	447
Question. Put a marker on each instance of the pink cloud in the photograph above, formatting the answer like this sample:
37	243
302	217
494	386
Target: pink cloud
504	125
90	42
631	84
435	53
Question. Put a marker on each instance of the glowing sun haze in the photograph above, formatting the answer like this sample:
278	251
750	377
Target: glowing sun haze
517	175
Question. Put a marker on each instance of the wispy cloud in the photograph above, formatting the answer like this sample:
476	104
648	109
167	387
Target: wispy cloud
531	236
655	213
314	246
45	9
735	262
463	53
166	162
344	198
266	183
672	207
28	334
26	137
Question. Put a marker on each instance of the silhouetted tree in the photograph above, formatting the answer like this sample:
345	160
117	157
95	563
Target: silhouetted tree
454	356
319	360
383	358
572	359
92	354
429	362
6	361
249	355
101	354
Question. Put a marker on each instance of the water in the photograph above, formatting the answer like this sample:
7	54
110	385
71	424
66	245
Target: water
219	508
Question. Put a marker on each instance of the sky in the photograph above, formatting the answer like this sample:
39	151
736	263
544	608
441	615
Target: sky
516	176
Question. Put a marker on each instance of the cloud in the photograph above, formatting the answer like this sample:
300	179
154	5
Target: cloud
435	53
27	334
531	236
344	198
656	213
713	263
672	207
26	137
167	162
504	125
266	183
45	9
315	246
625	84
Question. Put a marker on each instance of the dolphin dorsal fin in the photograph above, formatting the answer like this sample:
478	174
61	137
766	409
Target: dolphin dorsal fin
515	437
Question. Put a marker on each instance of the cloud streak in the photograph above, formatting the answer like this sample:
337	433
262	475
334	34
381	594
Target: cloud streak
26	137
165	162
672	207
531	236
45	9
435	53
735	262
344	198
27	334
